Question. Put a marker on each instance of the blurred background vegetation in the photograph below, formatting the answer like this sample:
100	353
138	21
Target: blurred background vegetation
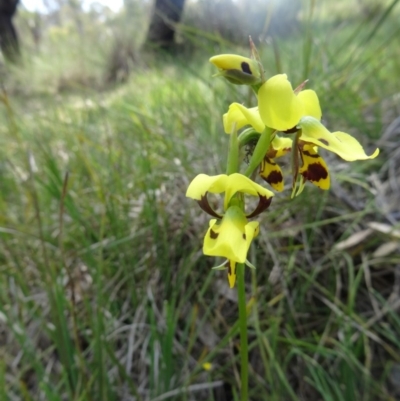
104	291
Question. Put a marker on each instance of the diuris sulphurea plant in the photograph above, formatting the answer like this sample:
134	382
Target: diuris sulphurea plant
285	122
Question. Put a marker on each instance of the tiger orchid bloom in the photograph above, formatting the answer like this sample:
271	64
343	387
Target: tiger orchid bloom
230	233
281	108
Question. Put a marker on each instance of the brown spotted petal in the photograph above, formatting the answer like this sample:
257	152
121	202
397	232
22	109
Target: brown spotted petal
272	173
314	168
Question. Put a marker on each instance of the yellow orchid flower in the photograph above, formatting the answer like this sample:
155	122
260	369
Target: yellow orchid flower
281	108
230	234
237	69
230	237
304	112
230	184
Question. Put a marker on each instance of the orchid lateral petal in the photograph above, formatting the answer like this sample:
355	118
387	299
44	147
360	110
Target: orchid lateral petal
263	204
279	147
242	116
203	203
279	107
344	145
203	183
230	184
357	149
314	168
272	173
233	119
239	183
310	103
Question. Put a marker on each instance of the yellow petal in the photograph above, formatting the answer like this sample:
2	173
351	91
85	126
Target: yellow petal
252	230
231	273
344	145
236	62
230	237
314	168
279	147
310	103
279	107
242	116
233	119
203	183
272	173
240	183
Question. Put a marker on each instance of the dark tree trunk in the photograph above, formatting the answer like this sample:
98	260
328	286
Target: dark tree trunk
162	26
8	36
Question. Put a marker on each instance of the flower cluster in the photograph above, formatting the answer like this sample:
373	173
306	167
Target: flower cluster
230	233
286	120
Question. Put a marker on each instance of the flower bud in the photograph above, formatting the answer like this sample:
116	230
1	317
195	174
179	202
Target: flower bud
237	70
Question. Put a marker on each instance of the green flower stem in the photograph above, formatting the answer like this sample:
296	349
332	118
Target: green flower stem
233	154
244	353
256	87
260	150
295	161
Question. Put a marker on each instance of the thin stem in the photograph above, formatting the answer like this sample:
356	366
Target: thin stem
233	154
244	354
260	150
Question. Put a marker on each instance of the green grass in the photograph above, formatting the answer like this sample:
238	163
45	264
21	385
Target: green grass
104	291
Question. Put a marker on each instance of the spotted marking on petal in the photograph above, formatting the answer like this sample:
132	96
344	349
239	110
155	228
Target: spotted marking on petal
324	141
213	234
246	68
244	236
271	173
271	153
275	177
313	155
315	172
